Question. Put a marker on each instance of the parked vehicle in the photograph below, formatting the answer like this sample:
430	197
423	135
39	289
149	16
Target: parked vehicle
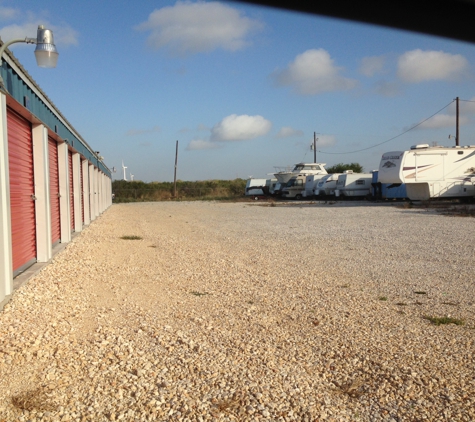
351	184
311	182
326	185
387	190
431	172
294	188
284	175
259	187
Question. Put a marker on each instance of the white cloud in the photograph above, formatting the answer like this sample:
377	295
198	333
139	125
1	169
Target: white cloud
240	128
7	13
63	35
313	72
201	144
419	66
288	132
442	121
371	66
325	141
198	27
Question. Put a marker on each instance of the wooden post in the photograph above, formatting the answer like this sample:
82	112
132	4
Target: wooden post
176	161
457	142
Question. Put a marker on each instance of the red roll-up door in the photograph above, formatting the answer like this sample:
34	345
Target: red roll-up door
82	192
71	188
54	190
20	159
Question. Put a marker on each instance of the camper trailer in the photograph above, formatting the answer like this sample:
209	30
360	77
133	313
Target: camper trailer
387	190
310	185
326	185
259	187
351	184
431	172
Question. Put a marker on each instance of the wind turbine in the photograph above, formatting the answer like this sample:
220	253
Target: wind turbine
131	177
123	169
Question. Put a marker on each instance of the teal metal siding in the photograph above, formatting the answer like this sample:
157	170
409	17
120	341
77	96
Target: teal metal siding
22	93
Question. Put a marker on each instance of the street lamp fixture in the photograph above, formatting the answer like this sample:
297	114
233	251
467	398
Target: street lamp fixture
45	52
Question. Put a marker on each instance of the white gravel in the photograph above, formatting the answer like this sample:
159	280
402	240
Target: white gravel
247	312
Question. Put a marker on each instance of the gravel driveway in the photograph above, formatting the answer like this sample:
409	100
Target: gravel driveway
247	312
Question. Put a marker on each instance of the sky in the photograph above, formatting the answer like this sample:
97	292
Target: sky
242	88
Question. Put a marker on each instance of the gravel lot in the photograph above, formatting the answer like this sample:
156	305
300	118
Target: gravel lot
247	312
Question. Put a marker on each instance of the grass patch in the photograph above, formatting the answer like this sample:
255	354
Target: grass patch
194	293
133	237
444	320
383	298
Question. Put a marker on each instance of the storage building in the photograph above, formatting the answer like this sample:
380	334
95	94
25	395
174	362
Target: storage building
52	183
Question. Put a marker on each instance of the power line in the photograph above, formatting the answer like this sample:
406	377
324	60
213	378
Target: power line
394	137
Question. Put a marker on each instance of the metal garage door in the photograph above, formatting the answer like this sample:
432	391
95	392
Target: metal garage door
71	187
54	190
20	159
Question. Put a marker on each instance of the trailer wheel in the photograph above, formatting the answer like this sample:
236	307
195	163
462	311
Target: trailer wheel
298	197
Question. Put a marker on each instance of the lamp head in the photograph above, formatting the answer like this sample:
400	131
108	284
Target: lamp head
45	52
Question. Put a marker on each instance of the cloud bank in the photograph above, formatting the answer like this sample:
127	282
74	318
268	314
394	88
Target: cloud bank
240	128
197	144
313	72
419	66
288	132
189	28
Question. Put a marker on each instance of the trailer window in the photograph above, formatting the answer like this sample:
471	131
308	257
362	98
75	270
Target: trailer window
361	182
459	152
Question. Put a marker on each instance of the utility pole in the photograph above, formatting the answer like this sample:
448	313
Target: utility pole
174	179
314	147
457	143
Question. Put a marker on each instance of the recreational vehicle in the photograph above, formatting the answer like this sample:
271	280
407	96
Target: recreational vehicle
294	188
311	182
259	187
353	184
327	185
387	190
431	172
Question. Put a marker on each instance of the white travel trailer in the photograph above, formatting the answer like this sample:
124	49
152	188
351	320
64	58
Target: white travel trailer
326	185
431	172
311	182
353	184
255	187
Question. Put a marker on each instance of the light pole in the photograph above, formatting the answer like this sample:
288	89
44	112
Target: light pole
45	51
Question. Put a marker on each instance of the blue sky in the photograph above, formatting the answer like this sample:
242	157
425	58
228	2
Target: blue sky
242	88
